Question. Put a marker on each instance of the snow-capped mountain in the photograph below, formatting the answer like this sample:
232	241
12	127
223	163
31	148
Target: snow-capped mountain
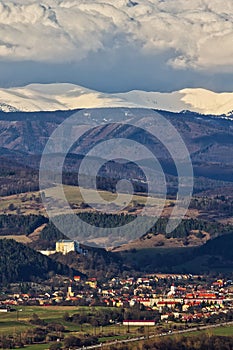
62	96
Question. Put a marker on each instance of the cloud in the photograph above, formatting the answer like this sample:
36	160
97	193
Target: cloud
199	33
118	45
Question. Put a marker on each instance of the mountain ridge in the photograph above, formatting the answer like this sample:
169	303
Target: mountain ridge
65	96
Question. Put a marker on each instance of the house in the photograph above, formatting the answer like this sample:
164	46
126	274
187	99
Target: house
77	278
4	308
92	282
139	323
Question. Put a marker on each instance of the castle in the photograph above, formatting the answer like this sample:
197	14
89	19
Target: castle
65	246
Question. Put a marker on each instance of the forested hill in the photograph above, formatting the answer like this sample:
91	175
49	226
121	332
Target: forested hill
97	263
19	263
186	230
20	224
220	246
215	256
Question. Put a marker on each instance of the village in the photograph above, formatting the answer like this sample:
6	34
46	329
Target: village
78	310
149	299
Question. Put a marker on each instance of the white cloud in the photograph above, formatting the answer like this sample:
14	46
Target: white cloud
198	33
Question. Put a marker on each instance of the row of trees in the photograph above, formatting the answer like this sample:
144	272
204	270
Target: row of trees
106	316
96	317
117	221
20	224
15	178
187	226
221	204
39	331
201	342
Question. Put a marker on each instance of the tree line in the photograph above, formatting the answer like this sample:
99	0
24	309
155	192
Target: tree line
200	342
95	219
20	224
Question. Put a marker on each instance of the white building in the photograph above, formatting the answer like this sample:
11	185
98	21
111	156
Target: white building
65	246
138	323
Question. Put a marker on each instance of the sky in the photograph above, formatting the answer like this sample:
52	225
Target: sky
118	45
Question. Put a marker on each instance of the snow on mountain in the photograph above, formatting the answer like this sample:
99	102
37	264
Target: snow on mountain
62	96
50	97
196	100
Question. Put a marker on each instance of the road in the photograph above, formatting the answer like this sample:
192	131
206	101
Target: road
193	329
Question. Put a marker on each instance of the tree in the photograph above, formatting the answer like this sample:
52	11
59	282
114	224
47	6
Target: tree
11	207
72	342
37	321
55	346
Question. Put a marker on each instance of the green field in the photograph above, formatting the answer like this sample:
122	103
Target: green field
221	330
225	331
35	347
74	194
28	205
18	321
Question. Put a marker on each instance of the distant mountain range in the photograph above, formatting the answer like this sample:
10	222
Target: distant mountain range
209	140
62	96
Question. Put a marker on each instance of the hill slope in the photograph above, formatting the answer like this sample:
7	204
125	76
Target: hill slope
214	256
208	139
20	263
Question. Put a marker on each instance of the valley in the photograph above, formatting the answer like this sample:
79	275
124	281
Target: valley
192	256
116	175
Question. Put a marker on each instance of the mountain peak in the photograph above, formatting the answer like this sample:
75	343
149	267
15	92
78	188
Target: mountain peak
66	96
